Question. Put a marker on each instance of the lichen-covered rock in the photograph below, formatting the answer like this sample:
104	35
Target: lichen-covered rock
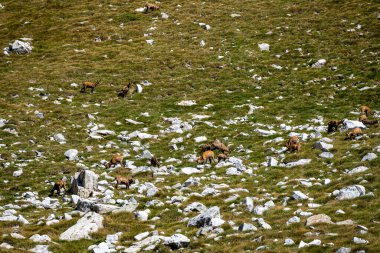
89	223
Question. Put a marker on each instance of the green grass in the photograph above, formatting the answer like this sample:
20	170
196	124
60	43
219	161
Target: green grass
181	70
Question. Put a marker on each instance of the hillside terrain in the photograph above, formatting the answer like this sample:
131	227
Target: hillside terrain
250	74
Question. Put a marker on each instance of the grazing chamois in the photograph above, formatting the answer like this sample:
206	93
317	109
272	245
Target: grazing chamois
362	118
333	125
206	156
154	162
60	184
89	85
220	146
151	7
123	180
222	157
353	133
124	91
115	159
293	144
365	110
204	148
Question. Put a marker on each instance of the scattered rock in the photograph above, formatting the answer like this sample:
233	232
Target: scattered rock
18	47
72	154
318	219
369	157
89	223
263	46
247	227
177	241
84	183
206	218
350	192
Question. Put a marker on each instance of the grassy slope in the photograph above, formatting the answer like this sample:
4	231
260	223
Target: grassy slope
180	69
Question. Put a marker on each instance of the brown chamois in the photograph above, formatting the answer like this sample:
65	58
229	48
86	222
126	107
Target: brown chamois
370	122
333	125
154	162
220	146
353	133
151	7
206	156
60	184
292	141
365	110
362	118
89	85
116	159
124	91
204	148
295	147
222	157
123	180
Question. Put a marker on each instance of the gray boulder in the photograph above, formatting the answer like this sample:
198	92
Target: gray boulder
322	146
205	219
89	223
247	227
177	241
350	192
318	219
18	47
351	124
195	206
84	183
72	154
369	157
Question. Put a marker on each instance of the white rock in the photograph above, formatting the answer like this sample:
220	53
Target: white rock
89	223
204	219
21	219
263	46
18	47
288	242
358	170
350	192
298	195
141	236
358	240
187	103
369	157
200	139
164	15
40	249
139	88
322	146
5	245
326	155
351	124
60	138
297	163
150	42
190	170
72	154
248	201
319	64
247	227
18	172
146	154
292	220
142	215
177	241
40	238
263	224
272	162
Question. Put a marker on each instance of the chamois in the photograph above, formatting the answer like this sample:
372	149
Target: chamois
353	133
123	180
293	144
206	156
216	144
205	147
362	118
333	125
151	7
365	110
124	91
154	162
115	159
89	85
222	157
60	184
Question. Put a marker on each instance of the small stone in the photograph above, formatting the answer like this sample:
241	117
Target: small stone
247	227
292	220
358	240
318	219
369	157
288	242
343	250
